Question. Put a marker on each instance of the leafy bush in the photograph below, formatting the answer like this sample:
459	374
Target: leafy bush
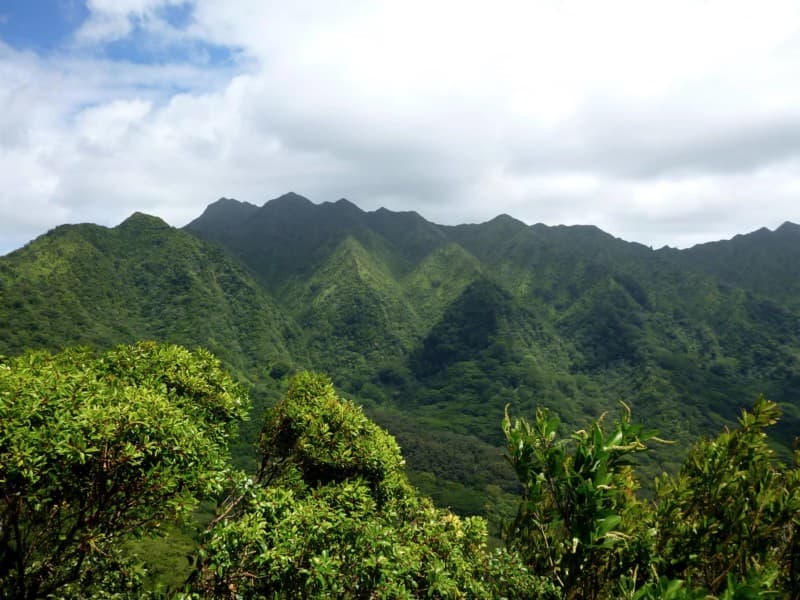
726	526
733	510
578	520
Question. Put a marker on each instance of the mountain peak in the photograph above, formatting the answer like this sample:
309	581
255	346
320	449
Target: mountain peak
343	204
227	206
225	212
788	228
139	221
505	225
226	202
289	199
506	219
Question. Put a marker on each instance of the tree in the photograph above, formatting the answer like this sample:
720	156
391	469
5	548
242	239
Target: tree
95	448
331	514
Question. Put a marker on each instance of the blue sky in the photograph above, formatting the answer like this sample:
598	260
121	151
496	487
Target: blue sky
40	25
48	27
661	122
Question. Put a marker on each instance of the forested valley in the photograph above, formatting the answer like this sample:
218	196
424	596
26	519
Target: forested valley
302	400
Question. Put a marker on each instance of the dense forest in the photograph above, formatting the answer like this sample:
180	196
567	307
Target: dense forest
452	350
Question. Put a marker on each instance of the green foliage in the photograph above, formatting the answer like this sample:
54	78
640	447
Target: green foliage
733	510
578	520
325	439
607	324
98	449
90	285
762	261
353	310
459	472
164	560
724	527
467	328
94	449
332	515
445	325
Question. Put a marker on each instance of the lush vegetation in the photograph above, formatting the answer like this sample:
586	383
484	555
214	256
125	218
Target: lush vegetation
100	450
446	325
331	514
443	325
726	526
434	330
95	450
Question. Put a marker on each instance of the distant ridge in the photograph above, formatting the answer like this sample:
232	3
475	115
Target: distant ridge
290	232
788	228
764	261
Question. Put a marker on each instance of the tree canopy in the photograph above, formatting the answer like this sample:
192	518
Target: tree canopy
97	448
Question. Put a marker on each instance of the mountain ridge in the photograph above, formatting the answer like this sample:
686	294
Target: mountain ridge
434	328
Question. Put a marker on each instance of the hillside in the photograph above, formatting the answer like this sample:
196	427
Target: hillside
765	262
85	284
435	328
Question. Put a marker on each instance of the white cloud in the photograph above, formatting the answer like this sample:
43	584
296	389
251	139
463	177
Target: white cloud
104	128
660	122
111	20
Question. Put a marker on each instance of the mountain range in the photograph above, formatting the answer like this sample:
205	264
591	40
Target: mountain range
435	329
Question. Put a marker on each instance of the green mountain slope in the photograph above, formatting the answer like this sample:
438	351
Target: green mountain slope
436	328
568	317
289	237
765	262
353	312
439	279
85	284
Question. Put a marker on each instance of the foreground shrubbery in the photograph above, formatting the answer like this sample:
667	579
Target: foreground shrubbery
331	514
725	526
95	450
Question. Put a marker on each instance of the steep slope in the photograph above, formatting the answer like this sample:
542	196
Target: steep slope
222	220
579	319
407	233
86	284
353	312
766	262
606	324
439	279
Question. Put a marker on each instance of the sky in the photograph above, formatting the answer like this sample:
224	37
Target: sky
667	123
